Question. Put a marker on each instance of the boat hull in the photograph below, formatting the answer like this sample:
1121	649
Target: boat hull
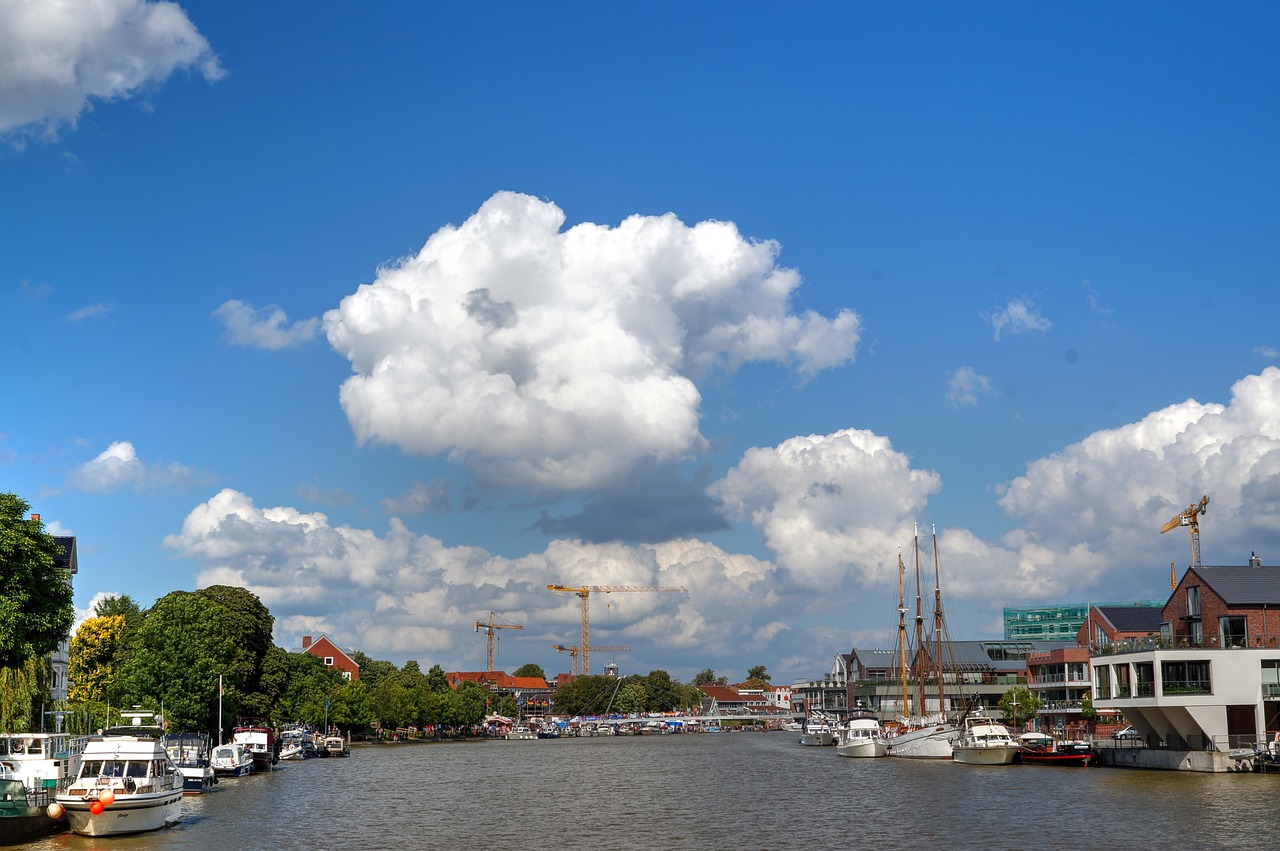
863	748
1071	758
993	755
31	823
822	738
146	813
927	743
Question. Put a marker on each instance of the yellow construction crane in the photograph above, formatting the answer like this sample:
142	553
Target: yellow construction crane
489	628
573	652
1190	518
582	592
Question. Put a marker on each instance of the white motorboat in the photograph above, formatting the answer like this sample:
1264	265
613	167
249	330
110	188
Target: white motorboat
984	741
190	753
861	737
126	784
42	761
818	731
520	732
231	760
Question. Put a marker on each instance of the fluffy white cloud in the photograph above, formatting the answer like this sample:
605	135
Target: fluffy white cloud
267	328
1019	316
966	385
56	57
118	466
404	595
828	504
562	358
1099	504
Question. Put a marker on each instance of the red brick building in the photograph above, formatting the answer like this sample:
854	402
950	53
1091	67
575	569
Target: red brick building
334	657
1225	607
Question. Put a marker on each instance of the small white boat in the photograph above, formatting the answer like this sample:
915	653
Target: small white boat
521	733
126	784
984	741
336	746
861	737
190	753
817	731
231	760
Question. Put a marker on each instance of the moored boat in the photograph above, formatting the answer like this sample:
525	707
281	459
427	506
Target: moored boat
260	742
23	819
336	746
126	784
861	738
520	732
984	741
190	752
42	761
817	732
1040	749
231	760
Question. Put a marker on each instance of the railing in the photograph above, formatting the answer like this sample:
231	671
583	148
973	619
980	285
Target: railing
1172	687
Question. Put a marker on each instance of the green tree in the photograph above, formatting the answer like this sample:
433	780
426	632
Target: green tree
530	670
372	671
473	703
35	600
1018	705
437	681
350	707
248	623
708	677
22	693
665	694
632	697
587	695
309	682
178	653
759	672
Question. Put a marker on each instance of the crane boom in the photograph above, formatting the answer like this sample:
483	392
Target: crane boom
573	652
583	593
1190	518
489	628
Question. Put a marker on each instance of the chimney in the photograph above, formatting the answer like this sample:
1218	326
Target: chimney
306	642
1254	561
35	518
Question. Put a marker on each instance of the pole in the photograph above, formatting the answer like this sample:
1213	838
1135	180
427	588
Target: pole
219	708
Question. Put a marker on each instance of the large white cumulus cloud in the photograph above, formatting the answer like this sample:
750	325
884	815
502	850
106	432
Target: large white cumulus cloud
403	595
828	504
560	358
1100	503
56	56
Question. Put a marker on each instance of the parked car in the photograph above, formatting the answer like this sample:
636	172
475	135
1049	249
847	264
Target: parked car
1126	733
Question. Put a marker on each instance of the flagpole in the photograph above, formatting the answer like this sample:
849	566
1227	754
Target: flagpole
219	708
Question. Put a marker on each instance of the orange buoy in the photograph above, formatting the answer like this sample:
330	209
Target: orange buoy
107	798
96	808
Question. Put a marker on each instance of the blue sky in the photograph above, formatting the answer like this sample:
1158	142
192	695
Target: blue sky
396	314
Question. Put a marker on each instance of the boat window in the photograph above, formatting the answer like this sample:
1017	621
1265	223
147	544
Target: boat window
137	769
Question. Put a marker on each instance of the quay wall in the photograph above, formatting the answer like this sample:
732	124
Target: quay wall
1167	759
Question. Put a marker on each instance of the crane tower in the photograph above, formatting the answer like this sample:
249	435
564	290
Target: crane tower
489	628
583	592
1190	518
573	652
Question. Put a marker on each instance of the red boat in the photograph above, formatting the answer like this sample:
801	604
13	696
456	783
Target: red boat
1038	749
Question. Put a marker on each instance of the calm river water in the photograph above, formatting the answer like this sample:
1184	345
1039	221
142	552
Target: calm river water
707	791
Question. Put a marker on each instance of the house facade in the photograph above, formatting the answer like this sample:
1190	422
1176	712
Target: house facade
1210	681
531	694
333	656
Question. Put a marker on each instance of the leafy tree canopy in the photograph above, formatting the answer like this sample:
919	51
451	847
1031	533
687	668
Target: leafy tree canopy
708	677
530	670
587	695
1018	705
35	600
759	672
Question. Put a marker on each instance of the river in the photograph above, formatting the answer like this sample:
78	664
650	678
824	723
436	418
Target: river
703	791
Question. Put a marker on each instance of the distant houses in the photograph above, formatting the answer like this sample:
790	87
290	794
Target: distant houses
333	656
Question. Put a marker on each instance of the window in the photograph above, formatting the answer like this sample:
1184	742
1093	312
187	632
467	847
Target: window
1234	631
1193	601
346	675
328	661
1102	680
1197	633
1185	678
1146	679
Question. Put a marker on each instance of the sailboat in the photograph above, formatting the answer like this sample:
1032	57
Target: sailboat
922	736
